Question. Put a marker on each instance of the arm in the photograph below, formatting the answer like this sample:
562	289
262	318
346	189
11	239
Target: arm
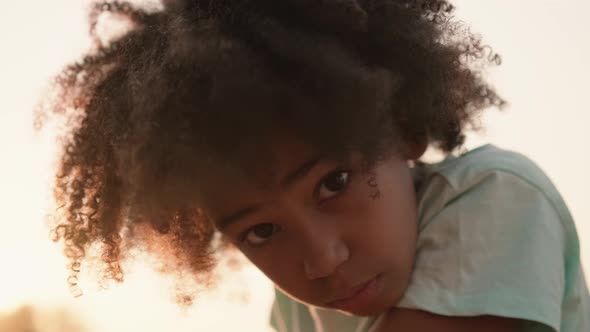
406	320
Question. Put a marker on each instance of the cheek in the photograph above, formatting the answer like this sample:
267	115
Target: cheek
278	263
398	239
391	233
389	226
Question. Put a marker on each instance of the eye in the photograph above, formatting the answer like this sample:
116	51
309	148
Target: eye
259	234
332	185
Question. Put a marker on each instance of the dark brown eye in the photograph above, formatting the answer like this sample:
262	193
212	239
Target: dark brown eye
333	184
259	234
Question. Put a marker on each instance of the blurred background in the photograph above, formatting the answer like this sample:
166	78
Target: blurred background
545	48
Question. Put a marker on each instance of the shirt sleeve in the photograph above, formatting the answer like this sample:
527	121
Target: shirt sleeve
496	248
288	315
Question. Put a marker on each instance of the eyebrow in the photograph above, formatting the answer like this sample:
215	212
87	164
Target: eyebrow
291	178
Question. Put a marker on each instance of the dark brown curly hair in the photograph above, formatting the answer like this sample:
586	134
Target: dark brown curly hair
192	94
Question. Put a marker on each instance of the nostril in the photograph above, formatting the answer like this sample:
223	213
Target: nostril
318	271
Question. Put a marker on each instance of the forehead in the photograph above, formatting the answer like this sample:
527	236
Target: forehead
287	153
231	187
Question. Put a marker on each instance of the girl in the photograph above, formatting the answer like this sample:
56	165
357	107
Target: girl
293	131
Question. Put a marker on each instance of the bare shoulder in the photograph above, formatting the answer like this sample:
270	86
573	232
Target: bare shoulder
400	320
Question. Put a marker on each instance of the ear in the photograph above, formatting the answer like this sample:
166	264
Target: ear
414	150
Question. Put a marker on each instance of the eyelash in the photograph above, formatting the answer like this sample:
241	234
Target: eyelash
243	236
324	179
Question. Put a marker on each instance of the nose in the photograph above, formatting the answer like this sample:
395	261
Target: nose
324	255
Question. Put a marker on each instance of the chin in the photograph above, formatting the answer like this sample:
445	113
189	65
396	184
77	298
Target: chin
370	311
374	309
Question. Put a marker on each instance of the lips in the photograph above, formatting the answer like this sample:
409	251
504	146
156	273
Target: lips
359	296
352	291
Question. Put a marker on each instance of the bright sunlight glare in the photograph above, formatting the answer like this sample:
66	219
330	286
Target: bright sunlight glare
544	76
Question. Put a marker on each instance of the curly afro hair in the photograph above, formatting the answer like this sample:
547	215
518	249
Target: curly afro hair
194	93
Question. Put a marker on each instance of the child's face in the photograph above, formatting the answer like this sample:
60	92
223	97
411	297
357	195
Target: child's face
327	231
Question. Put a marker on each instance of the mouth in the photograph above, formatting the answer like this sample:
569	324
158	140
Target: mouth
358	296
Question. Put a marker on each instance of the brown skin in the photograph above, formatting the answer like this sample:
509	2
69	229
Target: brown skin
147	102
403	320
196	87
324	241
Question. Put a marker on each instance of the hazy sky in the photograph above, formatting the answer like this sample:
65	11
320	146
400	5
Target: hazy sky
544	75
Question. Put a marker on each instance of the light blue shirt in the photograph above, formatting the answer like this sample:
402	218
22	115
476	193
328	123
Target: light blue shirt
494	238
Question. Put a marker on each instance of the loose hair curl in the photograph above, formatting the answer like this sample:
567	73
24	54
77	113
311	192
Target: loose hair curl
191	95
